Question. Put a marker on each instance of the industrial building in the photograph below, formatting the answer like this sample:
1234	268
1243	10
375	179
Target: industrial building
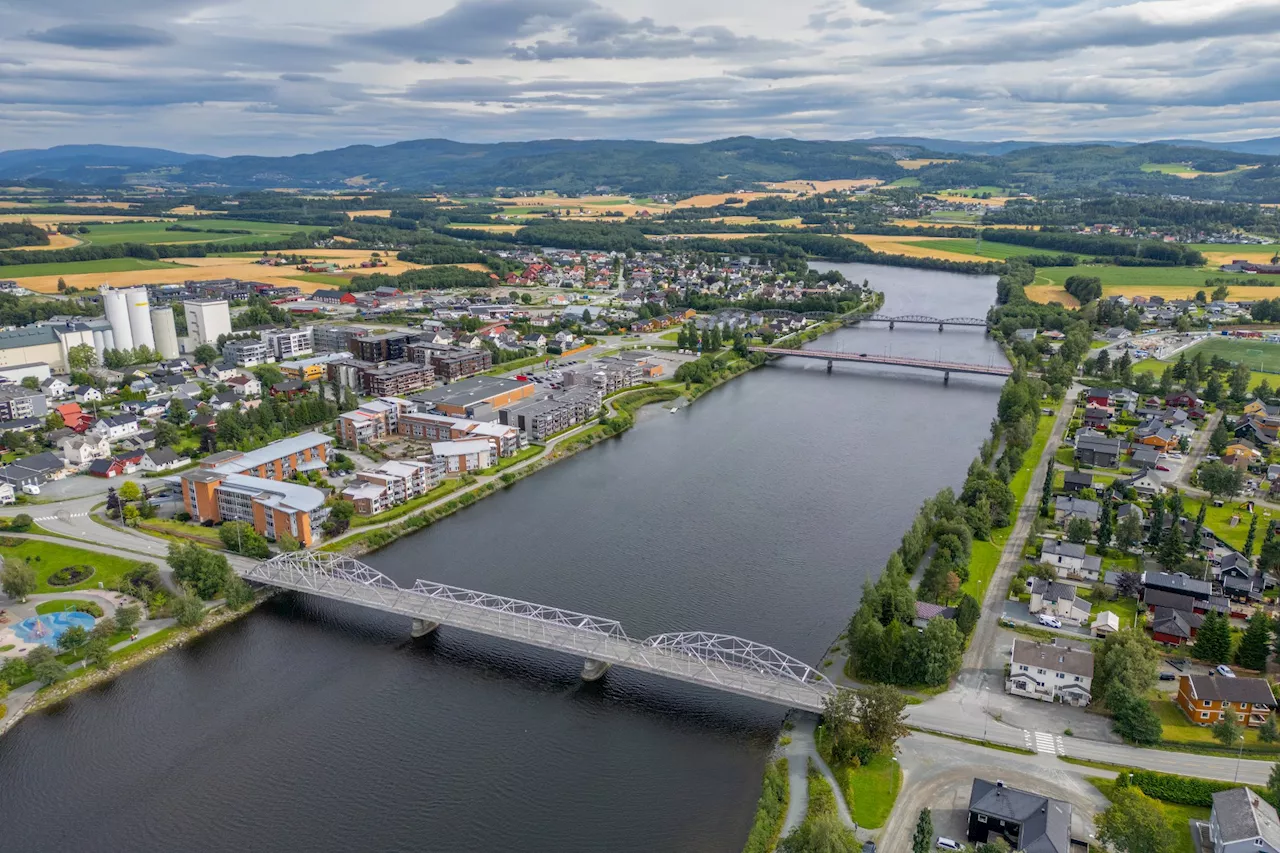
207	319
129	312
165	329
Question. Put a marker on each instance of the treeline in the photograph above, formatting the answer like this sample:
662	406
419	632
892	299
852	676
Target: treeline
1137	212
16	234
432	278
270	421
25	310
1147	251
145	251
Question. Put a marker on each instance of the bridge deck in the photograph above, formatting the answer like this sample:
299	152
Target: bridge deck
899	361
724	663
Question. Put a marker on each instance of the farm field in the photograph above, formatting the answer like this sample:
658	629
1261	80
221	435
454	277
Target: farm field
493	229
910	246
1184	170
156	232
713	199
803	186
988	249
1169	282
22	272
1217	254
380	214
56	241
921	162
48	219
908	181
969	196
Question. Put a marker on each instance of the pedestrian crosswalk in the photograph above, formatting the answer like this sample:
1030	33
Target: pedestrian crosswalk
1044	742
64	515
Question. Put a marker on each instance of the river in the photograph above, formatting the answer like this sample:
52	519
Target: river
313	726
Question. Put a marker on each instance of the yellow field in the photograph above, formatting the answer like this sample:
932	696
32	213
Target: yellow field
819	187
497	229
913	223
906	246
920	162
118	205
1053	293
190	210
382	214
994	201
56	241
47	219
711	200
1257	254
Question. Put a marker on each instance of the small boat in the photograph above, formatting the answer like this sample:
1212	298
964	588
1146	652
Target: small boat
675	409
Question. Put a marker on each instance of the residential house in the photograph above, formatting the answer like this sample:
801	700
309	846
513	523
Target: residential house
73	417
118	465
1239	822
1241	454
1147	484
80	451
118	426
1071	561
1073	482
927	612
1094	449
1023	820
1173	626
1050	672
245	386
54	388
1057	599
86	394
1207	699
1066	509
34	470
1178	582
1145	457
162	459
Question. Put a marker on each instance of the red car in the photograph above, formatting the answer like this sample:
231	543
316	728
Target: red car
1161	468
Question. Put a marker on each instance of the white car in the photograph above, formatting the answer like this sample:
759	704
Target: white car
945	843
1224	670
1048	621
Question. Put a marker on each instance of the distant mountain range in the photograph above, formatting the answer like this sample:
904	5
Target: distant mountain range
645	168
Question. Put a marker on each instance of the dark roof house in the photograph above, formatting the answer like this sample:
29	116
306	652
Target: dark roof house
1028	822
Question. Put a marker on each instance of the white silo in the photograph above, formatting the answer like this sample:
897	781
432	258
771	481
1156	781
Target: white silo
99	343
140	317
166	331
115	303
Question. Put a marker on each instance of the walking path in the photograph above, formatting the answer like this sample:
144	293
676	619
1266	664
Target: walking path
798	752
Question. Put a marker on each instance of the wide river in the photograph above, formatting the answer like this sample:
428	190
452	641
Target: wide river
312	726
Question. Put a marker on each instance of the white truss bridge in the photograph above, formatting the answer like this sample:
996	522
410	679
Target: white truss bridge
712	660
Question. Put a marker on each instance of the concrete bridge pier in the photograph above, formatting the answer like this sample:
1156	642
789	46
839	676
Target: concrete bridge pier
594	670
946	377
829	363
939	327
891	325
422	627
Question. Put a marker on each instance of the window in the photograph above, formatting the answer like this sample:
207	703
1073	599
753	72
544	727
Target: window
1204	715
1039	672
1239	718
1061	675
983	819
1206	703
1077	678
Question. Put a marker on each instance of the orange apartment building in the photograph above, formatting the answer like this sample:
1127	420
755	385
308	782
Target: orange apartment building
235	486
1207	699
478	395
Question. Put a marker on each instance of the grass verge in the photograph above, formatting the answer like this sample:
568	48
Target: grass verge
771	810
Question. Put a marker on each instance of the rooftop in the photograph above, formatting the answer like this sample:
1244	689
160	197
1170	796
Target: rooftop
1053	657
230	462
283	496
1045	824
1241	815
1255	691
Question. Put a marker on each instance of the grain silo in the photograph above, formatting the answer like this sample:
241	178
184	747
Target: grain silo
166	331
140	317
115	303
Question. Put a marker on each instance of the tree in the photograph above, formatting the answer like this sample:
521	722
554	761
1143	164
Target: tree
1253	531
1157	520
1127	660
1226	732
130	491
1129	533
1239	382
82	357
1172	549
1269	558
239	594
1269	732
821	833
1129	584
880	716
1079	530
1213	639
968	612
1255	645
176	414
340	513
938	651
128	617
1221	480
240	537
1105	523
48	671
206	573
97	652
922	840
1133	718
18	580
1219	439
131	515
1135	823
73	639
187	610
205	354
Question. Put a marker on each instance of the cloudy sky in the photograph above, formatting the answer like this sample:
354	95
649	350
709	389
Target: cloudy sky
284	76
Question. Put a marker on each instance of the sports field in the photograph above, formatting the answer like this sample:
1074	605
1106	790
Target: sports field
1169	282
156	232
1258	356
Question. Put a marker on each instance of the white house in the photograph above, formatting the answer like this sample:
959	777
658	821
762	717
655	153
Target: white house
87	394
118	426
245	386
1242	822
162	459
1059	600
6	494
1071	561
1050	672
81	451
54	388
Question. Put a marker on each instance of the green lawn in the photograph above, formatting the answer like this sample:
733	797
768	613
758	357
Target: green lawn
1126	609
514	459
105	265
1218	519
873	788
906	182
1155	368
182	530
46	558
1141	276
321	278
1257	355
447	487
60	604
156	232
1177	816
1179	730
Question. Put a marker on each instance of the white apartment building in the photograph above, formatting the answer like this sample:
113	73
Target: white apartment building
207	319
289	343
1050	672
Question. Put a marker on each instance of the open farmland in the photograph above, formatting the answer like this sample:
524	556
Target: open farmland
49	220
56	241
157	232
380	214
948	246
1217	254
921	162
714	199
34	274
819	187
1184	170
910	246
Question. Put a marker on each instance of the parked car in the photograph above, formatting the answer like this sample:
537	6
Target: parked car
30	489
1212	457
945	843
1162	467
1224	670
1049	621
1167	676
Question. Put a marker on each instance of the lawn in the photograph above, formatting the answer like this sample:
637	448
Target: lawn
321	278
182	530
46	558
409	506
1179	730
156	232
1258	356
105	265
906	182
513	459
1218	519
1125	608
1155	368
873	788
60	604
1176	815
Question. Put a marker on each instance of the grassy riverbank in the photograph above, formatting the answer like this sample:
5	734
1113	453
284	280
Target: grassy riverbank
771	810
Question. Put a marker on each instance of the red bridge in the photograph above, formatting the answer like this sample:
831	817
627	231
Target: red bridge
946	367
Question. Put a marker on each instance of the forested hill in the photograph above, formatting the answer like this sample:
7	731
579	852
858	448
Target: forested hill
568	166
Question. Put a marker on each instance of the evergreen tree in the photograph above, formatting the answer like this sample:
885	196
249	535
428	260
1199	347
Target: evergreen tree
1213	639
1255	645
1253	529
1172	549
1104	526
1046	495
1219	439
922	840
1213	391
1157	520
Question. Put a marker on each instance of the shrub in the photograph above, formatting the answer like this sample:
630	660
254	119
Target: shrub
91	607
770	811
182	516
1182	790
71	575
22	521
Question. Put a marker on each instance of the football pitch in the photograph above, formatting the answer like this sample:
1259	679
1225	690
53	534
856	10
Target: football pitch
1259	356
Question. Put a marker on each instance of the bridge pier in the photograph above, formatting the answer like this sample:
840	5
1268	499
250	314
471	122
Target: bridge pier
829	363
422	627
946	377
891	325
939	327
594	670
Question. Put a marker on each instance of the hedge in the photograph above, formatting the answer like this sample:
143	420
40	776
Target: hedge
1183	790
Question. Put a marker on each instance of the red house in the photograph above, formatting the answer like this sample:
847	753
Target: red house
1098	397
1182	401
74	417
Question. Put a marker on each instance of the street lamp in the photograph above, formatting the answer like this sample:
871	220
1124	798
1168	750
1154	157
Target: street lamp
1239	755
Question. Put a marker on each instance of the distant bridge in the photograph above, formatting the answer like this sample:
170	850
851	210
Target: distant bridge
945	367
719	661
918	319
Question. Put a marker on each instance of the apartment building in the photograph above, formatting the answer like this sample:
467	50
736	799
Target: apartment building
289	343
539	419
479	397
462	456
391	484
388	346
1207	699
312	369
403	377
335	338
246	352
18	402
371	421
1050	672
235	486
607	375
450	363
504	440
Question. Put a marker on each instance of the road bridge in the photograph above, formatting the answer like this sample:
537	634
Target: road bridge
917	319
711	660
945	367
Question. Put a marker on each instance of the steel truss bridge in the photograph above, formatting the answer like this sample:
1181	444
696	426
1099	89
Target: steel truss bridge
719	661
945	367
917	319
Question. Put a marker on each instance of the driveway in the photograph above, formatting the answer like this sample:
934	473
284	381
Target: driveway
1018	611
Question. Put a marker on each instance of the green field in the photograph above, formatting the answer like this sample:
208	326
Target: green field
105	265
1155	368
45	558
1143	276
321	278
1184	169
156	232
906	182
1258	356
974	192
988	249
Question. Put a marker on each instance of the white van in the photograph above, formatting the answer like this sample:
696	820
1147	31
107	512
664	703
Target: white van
30	489
945	843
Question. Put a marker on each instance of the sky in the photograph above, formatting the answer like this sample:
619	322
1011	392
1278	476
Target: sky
288	76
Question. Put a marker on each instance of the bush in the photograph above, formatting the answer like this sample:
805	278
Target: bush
770	811
183	515
91	607
71	575
1182	790
21	521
